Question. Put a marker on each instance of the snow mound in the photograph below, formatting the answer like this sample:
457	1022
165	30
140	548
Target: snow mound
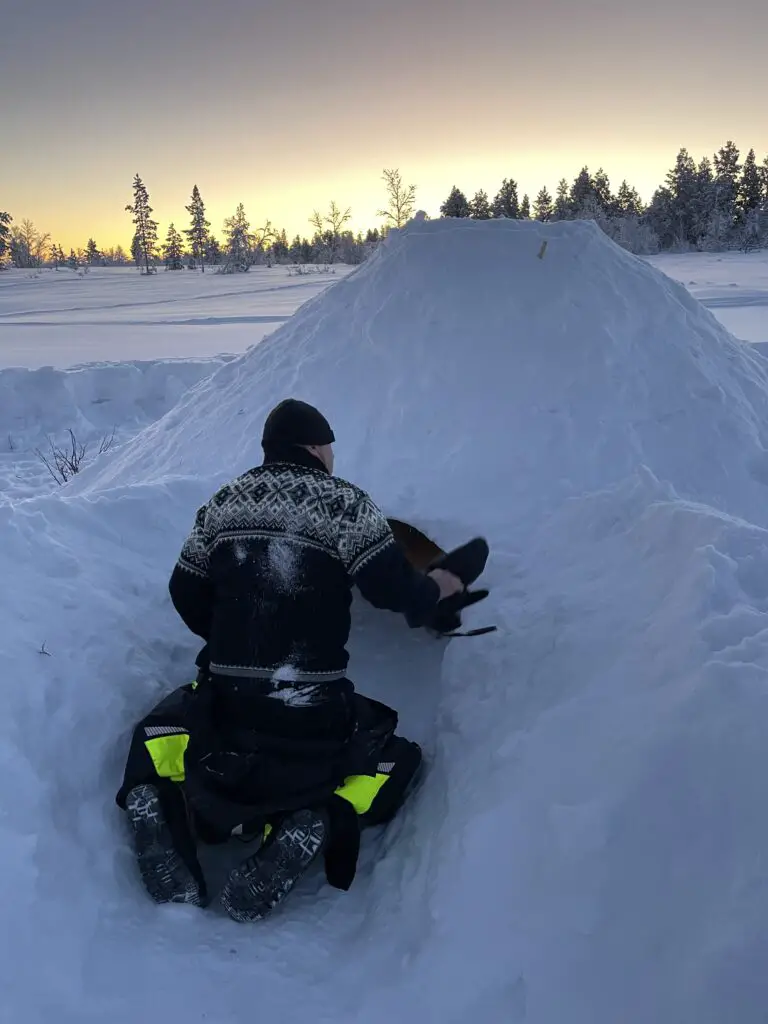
457	356
588	844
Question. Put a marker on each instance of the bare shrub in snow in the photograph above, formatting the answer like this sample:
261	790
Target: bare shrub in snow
750	235
304	269
28	245
106	442
401	199
262	240
64	463
634	234
328	232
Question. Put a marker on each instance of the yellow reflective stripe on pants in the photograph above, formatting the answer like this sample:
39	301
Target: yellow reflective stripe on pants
167	753
361	790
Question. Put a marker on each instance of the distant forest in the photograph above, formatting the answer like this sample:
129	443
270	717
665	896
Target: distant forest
714	205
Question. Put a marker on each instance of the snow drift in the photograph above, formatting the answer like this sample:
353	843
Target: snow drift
94	398
588	845
101	403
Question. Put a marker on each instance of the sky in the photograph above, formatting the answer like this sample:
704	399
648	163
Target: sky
285	105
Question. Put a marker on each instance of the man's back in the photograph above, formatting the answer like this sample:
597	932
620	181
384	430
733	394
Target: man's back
272	557
265	579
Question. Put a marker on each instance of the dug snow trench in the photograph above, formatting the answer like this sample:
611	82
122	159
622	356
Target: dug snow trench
101	403
589	843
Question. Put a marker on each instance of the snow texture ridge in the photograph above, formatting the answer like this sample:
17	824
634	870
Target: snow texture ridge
588	843
94	398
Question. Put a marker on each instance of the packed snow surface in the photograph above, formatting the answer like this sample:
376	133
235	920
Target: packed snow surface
61	317
136	327
733	285
588	844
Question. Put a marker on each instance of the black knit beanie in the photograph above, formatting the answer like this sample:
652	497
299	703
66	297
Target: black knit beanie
295	422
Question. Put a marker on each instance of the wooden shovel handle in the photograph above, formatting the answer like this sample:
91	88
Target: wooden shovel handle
420	551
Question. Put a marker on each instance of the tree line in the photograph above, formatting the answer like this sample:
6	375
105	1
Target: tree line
715	204
197	247
242	246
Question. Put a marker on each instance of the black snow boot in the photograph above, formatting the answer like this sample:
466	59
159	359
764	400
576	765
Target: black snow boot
166	876
265	878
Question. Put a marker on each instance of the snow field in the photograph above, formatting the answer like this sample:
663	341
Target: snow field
588	844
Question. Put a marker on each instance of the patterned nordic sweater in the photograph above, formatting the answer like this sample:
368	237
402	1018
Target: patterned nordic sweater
265	576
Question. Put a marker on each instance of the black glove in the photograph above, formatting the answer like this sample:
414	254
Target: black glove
467	562
447	616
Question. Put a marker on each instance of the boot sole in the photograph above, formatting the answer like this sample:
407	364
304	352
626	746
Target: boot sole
166	877
262	881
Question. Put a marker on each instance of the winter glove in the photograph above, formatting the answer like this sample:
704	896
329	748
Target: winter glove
447	617
467	562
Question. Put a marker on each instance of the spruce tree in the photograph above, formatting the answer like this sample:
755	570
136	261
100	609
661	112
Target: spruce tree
197	232
661	216
73	262
727	169
173	250
5	235
145	239
57	256
628	202
294	250
562	210
92	253
136	250
456	205
704	221
751	189
525	208
506	203
683	184
601	187
212	251
582	190
543	208
239	242
480	207
280	247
